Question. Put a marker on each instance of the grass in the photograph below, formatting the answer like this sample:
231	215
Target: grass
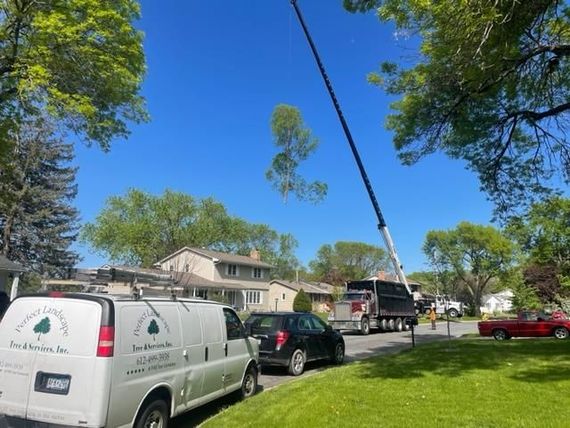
468	383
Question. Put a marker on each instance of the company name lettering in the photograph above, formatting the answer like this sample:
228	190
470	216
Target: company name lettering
58	313
28	346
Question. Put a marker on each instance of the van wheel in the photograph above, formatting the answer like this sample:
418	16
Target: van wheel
249	383
297	363
155	415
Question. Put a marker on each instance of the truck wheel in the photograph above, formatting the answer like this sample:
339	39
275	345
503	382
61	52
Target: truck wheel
155	415
561	333
398	325
383	324
453	312
365	326
406	323
297	363
427	311
500	334
391	325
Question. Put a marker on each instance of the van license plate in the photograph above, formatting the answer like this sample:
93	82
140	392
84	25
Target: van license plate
52	383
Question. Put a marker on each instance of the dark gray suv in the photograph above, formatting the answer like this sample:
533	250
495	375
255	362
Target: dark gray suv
291	339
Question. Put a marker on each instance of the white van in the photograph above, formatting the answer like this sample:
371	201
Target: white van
92	360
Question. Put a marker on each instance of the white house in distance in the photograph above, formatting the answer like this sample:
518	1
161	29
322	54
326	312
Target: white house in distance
282	293
497	302
243	280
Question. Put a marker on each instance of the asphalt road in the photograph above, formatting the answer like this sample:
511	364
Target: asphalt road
358	347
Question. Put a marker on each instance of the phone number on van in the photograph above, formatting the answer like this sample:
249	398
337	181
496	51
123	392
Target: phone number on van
153	359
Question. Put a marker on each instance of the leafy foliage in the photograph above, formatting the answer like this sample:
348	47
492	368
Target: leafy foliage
476	254
490	86
297	144
140	229
347	261
38	224
302	302
80	61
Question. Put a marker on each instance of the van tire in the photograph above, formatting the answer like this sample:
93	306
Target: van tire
249	383
154	415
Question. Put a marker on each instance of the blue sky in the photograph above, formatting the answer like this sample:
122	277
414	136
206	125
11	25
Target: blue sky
216	70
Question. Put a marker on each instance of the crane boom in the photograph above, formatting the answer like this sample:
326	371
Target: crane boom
382	227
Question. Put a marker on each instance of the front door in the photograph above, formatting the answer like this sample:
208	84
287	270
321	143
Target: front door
238	350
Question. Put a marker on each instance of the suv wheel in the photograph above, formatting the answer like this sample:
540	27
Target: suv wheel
338	357
297	363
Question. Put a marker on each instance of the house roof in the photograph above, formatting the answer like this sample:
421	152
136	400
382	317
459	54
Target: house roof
7	265
218	256
189	279
307	287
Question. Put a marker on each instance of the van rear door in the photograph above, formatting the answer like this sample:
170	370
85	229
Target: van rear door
49	369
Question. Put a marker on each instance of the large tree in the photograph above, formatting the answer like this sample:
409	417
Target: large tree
476	254
297	143
140	229
80	61
490	85
345	261
37	186
543	234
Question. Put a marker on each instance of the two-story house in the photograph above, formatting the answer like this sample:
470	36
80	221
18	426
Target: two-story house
242	280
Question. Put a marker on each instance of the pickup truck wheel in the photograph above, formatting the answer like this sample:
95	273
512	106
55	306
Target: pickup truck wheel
500	334
365	326
561	333
297	363
453	312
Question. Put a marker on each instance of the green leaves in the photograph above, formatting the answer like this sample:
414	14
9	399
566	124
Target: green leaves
490	85
140	229
476	254
347	261
297	144
81	61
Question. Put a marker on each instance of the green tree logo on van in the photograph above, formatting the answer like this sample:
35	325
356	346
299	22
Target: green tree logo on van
153	329
42	327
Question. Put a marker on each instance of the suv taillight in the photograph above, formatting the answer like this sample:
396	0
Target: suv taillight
281	338
106	342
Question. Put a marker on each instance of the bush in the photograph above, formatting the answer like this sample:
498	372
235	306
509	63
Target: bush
302	302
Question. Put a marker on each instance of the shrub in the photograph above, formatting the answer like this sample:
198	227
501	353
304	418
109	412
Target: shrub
302	302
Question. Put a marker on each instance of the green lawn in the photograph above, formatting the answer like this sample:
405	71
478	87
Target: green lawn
467	383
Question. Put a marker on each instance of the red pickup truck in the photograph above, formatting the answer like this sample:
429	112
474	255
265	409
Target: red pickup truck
527	324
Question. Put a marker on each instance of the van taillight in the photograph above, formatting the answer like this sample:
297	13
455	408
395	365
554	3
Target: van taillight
106	341
281	338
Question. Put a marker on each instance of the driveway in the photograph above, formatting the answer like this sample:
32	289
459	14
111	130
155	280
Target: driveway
358	347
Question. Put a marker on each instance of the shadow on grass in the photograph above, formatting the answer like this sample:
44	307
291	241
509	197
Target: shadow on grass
539	360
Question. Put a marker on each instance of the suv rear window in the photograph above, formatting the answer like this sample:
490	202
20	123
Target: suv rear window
264	323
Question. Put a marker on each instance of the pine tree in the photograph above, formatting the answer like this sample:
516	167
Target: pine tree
37	221
302	302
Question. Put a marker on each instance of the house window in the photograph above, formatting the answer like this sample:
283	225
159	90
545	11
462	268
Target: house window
187	268
171	268
253	297
232	270
283	296
257	273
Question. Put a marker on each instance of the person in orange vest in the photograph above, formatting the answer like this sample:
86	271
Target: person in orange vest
432	317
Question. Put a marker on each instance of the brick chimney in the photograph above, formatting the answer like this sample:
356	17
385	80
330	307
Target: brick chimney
254	254
381	275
